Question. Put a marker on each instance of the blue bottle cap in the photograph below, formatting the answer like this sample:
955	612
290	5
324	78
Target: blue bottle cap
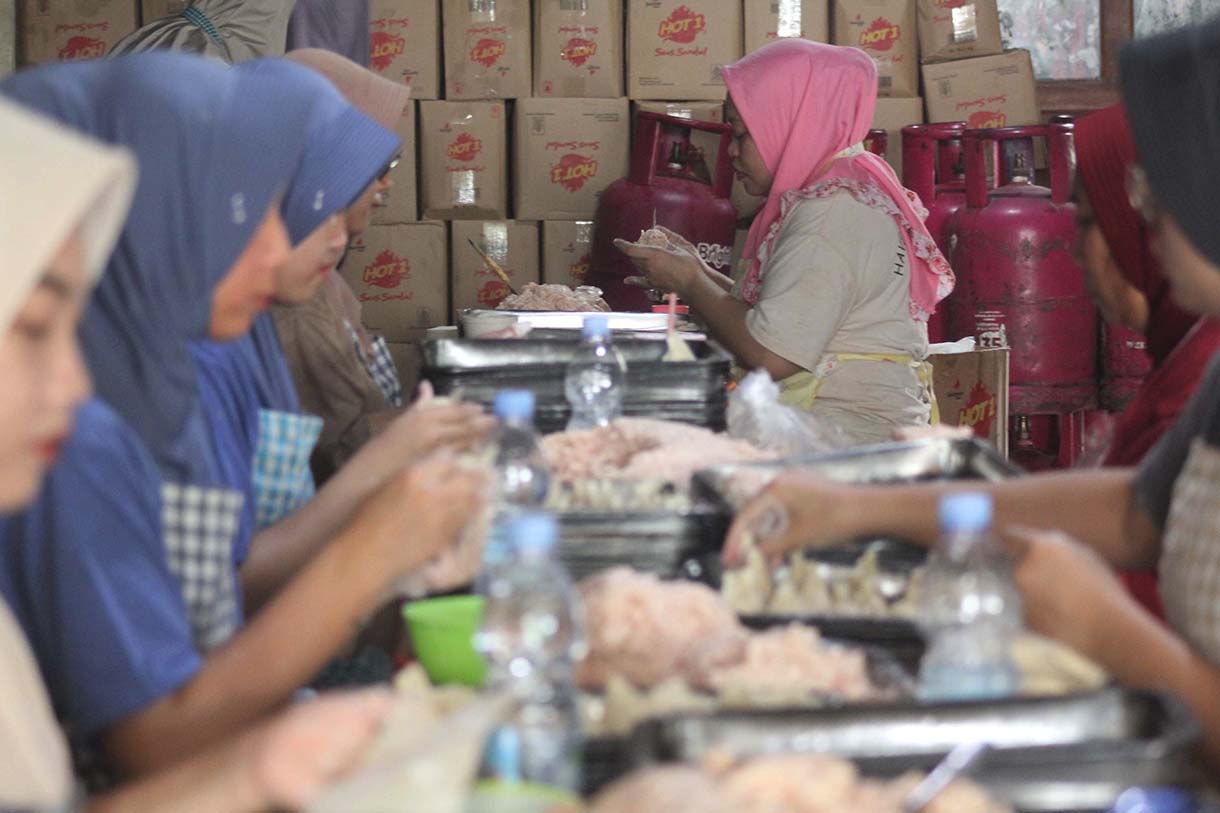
514	405
534	533
595	327
966	512
1155	800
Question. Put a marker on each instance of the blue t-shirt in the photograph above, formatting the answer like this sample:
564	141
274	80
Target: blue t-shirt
86	574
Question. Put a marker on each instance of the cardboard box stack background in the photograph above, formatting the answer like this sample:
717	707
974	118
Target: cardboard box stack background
520	117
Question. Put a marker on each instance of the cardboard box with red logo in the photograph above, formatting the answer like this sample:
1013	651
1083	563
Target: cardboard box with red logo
695	111
892	115
991	91
567	151
958	29
567	249
972	390
578	48
153	10
400	202
676	48
512	244
885	30
400	274
487	49
769	20
405	44
54	30
463	160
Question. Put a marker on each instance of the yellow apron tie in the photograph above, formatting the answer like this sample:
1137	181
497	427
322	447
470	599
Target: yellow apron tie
801	389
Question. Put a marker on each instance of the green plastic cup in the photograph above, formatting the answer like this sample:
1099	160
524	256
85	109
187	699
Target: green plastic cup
442	633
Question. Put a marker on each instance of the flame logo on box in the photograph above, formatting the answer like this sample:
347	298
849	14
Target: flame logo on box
578	51
82	48
465	148
386	48
580	269
573	171
880	35
388	270
494	292
987	119
980	410
487	52
682	26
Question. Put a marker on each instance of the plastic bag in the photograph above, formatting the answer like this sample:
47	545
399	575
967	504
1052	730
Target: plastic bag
757	416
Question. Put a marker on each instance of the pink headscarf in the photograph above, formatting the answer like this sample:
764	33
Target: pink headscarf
808	106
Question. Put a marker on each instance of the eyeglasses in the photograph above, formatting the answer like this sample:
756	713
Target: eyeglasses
1141	198
390	167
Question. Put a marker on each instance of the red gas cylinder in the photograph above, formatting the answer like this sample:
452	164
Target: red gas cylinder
1124	365
933	168
877	142
1018	284
667	178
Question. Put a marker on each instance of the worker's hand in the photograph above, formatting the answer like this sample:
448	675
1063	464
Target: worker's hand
296	756
1069	592
670	270
418	514
430	426
797	510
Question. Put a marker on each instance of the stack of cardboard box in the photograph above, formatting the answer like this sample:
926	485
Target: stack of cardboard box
967	74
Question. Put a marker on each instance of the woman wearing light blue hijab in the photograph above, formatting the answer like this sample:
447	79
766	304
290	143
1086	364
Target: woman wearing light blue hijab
121	575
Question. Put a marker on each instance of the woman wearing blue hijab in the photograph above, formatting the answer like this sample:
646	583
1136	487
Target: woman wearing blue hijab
121	574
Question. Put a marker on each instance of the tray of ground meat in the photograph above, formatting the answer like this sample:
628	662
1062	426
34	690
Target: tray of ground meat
692	392
1073	753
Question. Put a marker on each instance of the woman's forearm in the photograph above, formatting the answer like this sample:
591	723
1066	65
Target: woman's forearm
1096	507
219	780
280	551
725	317
260	669
1141	652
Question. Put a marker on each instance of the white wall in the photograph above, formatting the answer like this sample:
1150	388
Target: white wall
1154	16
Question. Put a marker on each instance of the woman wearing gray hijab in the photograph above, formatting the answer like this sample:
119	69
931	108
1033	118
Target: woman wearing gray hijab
230	30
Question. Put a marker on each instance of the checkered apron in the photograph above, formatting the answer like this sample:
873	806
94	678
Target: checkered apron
380	366
1190	563
283	481
200	526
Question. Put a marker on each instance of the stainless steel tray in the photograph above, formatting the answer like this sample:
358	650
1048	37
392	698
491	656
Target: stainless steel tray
1074	753
574	320
476	369
668	544
913	461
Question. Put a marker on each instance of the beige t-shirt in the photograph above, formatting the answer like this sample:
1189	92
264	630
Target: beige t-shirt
35	771
838	281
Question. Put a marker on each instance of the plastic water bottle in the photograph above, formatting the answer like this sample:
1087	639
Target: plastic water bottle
971	608
521	475
595	377
532	638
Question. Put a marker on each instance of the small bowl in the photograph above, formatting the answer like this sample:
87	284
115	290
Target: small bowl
442	634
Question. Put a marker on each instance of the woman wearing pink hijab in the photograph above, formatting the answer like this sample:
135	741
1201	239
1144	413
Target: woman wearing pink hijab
842	274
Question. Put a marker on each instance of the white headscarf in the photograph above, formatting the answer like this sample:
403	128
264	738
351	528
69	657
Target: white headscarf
52	182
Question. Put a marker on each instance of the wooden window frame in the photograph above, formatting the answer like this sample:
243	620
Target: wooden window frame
1081	96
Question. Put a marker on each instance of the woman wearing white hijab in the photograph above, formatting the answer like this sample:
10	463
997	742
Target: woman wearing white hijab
55	246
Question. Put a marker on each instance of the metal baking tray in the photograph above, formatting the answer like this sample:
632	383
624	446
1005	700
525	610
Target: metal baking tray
666	543
573	320
906	462
476	369
1073	753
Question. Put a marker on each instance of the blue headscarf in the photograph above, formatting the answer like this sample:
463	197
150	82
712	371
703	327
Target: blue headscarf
345	152
215	147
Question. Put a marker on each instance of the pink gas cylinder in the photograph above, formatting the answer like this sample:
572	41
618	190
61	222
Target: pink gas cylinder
1124	365
667	179
933	168
877	142
1018	283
